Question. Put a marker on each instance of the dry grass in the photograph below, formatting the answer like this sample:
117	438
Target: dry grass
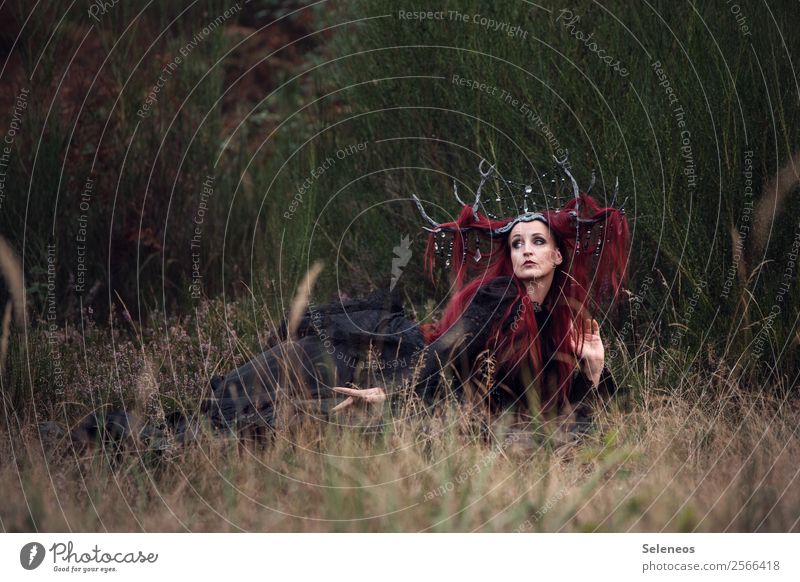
11	271
674	458
301	299
4	335
685	450
773	197
11	275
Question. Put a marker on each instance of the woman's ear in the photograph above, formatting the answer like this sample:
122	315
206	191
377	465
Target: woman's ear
558	257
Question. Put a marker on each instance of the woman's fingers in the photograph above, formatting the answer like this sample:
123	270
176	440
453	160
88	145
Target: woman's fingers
591	329
354	395
344	404
373	394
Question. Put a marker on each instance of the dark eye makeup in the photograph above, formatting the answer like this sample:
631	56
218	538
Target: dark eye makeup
538	240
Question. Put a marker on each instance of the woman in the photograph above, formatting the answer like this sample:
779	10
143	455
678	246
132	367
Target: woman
521	309
528	308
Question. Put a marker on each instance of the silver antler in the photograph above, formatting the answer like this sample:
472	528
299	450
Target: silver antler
425	215
484	176
563	165
455	191
591	184
616	191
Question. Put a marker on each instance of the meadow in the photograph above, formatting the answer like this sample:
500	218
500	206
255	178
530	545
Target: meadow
174	172
679	451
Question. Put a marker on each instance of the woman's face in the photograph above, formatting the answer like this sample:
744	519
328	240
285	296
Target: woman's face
534	253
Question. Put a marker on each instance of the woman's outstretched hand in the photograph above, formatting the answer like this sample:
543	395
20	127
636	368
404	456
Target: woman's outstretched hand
592	353
356	396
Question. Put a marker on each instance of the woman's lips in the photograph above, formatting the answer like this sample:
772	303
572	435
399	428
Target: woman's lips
528	263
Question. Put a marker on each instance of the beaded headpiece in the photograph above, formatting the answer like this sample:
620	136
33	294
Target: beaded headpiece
544	199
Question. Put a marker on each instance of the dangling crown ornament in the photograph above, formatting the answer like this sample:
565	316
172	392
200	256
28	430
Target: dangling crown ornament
468	243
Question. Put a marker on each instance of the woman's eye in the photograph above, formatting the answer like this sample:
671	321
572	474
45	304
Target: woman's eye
539	241
515	244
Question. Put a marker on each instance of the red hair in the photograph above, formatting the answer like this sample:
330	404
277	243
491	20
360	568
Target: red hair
602	246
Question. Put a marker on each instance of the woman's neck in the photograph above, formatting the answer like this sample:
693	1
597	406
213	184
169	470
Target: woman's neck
537	290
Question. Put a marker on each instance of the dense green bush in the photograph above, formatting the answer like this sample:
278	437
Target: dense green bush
277	119
687	94
129	112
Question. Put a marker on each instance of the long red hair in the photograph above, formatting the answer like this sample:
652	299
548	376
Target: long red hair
601	248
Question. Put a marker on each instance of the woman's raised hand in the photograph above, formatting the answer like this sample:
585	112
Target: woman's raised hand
356	396
592	352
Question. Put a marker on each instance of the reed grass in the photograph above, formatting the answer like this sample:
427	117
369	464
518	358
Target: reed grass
686	449
704	437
